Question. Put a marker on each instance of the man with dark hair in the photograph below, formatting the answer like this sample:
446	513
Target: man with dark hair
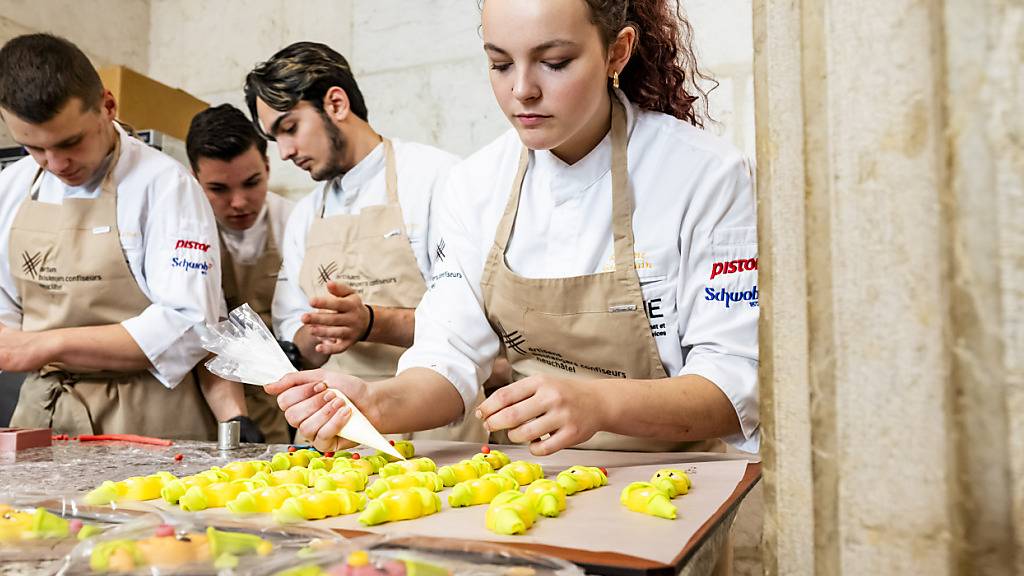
358	251
229	158
111	256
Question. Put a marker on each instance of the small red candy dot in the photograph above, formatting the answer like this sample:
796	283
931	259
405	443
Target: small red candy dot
486	449
292	448
355	456
164	530
329	455
75	525
179	457
603	470
392	442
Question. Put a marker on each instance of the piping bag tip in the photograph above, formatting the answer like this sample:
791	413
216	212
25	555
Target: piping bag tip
358	429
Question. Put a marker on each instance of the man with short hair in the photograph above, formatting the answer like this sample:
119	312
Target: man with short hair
229	159
358	250
111	258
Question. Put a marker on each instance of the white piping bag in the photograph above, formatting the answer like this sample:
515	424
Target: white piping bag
247	352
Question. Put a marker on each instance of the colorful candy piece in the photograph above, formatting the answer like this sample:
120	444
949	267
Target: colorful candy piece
464	470
510	512
480	490
31	524
496	458
646	498
245	469
215	495
321	463
361	464
286	460
175	489
264	500
579	478
349	479
522	471
428	480
548	497
319	505
404	447
135	488
404	466
401	504
671	481
296	475
171	551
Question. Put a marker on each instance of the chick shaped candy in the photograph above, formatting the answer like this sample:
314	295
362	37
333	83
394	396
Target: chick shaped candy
319	505
136	488
286	460
296	475
462	471
264	500
31	524
510	512
671	481
175	489
401	504
361	464
349	479
215	495
548	497
428	480
404	466
378	461
245	469
579	478
496	458
646	498
522	471
404	447
480	490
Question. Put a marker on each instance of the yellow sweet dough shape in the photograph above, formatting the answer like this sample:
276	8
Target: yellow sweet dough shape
264	500
349	479
547	496
31	524
510	513
496	458
175	489
480	490
319	505
244	469
378	461
173	551
673	482
405	466
522	471
464	470
296	475
363	465
215	495
401	504
286	460
135	488
646	498
404	447
579	478
428	480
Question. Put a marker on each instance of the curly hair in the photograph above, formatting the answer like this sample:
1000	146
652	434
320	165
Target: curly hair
662	75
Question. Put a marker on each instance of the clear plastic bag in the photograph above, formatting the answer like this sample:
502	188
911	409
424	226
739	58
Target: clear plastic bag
162	544
245	349
403	555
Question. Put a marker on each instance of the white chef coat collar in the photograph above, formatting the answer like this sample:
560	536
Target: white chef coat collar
364	171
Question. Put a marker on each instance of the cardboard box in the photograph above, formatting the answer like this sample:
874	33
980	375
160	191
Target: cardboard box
146	104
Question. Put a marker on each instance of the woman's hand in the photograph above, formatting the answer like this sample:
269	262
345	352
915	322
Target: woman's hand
312	405
570	410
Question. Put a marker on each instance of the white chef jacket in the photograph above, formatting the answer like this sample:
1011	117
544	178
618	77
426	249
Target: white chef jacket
421	172
694	218
164	222
247	246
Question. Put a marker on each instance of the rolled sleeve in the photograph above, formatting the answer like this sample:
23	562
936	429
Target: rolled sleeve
181	269
719	297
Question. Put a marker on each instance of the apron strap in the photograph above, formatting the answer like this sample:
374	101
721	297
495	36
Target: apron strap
390	172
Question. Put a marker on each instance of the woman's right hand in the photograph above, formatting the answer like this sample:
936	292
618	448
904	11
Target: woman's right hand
311	404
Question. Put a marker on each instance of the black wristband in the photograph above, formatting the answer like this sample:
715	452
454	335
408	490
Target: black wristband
369	325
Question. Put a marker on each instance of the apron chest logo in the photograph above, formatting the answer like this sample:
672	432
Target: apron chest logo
30	263
325	272
513	340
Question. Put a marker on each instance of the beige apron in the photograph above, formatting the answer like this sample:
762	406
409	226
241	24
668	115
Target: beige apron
254	284
70	270
371	253
591	326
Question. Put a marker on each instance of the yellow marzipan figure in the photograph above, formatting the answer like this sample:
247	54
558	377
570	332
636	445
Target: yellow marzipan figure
319	505
496	458
510	512
672	482
401	504
480	490
462	471
646	498
404	466
428	480
579	478
548	497
522	471
136	488
264	500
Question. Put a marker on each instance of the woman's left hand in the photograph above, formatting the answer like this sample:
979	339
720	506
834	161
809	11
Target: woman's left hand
570	411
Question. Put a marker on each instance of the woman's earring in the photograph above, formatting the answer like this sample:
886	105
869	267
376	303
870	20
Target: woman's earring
615	80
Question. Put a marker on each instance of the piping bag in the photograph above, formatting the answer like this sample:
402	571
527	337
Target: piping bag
247	352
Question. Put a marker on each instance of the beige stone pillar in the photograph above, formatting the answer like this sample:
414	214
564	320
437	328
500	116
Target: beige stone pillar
891	188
